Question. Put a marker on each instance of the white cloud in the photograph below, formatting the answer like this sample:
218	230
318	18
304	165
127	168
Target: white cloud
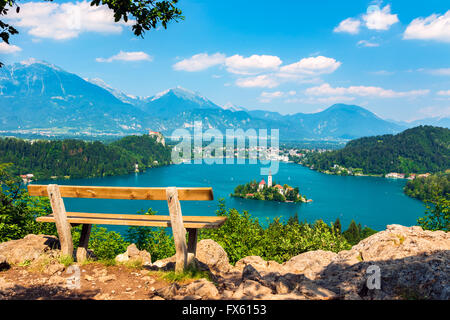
312	66
436	72
435	111
383	73
66	20
252	65
321	100
127	56
366	43
444	93
262	81
363	91
8	48
376	19
199	62
349	25
269	96
435	27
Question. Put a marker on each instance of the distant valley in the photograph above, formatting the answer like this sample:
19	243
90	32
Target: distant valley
42	97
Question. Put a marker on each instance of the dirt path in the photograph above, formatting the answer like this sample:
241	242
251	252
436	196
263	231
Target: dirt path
96	281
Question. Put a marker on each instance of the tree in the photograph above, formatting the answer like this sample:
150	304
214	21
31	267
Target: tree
338	226
352	233
437	216
147	14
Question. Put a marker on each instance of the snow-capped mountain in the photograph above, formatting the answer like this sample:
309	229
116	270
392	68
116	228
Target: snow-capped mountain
38	95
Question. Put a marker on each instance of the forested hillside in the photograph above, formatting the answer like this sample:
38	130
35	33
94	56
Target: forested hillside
417	150
80	159
428	188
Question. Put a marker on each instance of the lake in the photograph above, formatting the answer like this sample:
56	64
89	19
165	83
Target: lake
373	202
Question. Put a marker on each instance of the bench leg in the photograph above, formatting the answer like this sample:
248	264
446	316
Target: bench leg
192	245
62	225
179	232
84	242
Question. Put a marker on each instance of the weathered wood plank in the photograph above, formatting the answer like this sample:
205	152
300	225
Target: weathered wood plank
62	225
130	222
143	217
179	232
184	194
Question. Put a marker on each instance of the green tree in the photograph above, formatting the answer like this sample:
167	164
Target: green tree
337	226
437	215
352	234
146	14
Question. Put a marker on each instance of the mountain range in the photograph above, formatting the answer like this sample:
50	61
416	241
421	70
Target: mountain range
36	95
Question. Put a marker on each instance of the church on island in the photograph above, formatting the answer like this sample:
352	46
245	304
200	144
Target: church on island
278	187
269	191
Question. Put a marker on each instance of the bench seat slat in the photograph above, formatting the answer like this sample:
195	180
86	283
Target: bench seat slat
128	193
192	222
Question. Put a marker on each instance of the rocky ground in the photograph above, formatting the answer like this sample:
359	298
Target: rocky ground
411	264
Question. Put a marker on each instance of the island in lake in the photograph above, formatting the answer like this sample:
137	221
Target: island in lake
270	191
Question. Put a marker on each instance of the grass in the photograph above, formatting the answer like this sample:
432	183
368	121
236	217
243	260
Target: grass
191	273
24	263
66	260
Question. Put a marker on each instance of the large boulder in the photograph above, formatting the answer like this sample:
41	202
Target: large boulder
259	264
27	249
211	254
410	262
309	263
203	288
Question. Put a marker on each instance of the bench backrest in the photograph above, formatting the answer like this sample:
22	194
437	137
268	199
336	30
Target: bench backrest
130	193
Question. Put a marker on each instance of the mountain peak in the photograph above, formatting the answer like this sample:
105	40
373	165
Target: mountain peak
232	107
182	93
33	61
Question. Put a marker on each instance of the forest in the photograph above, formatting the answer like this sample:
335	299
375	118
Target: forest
418	150
428	188
72	158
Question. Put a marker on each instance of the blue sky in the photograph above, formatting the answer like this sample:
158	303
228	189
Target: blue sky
392	58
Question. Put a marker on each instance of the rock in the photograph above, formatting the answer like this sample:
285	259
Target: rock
250	273
165	264
51	269
55	280
28	248
168	292
411	263
3	263
313	291
106	278
133	254
398	242
203	288
132	251
254	289
211	254
259	264
309	263
282	286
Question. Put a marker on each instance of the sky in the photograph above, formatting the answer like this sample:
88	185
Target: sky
392	58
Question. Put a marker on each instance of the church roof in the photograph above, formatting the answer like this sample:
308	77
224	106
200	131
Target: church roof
262	182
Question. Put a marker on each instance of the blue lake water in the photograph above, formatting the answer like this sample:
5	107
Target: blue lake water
373	202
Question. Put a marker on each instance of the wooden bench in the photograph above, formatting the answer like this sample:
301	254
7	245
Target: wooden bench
179	224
